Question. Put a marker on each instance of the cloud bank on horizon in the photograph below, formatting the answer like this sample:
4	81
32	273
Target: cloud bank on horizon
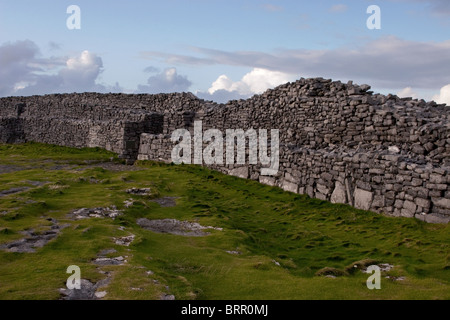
197	48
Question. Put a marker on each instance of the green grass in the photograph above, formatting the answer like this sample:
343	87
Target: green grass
264	223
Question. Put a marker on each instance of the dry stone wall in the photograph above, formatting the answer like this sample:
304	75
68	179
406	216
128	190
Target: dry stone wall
338	141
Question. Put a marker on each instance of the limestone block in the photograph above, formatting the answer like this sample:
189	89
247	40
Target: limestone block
394	149
322	189
409	209
441	202
241	172
433	218
267	180
310	191
378	201
143	157
421	202
437	178
320	196
339	194
363	199
289	186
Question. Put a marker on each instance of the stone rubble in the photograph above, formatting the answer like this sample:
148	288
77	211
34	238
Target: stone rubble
128	203
117	261
87	291
84	213
139	192
384	267
124	241
12	191
234	252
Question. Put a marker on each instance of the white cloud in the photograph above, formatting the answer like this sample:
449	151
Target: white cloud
443	96
259	80
255	82
407	93
24	72
338	8
165	82
19	65
81	72
222	83
221	96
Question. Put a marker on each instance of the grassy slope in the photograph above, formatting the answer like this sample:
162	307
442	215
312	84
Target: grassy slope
264	223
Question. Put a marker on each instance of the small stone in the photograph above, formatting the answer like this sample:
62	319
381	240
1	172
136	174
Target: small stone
394	149
100	294
140	192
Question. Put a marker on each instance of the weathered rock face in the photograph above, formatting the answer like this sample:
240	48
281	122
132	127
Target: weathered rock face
338	142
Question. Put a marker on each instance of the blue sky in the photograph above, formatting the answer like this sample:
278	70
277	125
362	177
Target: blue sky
222	50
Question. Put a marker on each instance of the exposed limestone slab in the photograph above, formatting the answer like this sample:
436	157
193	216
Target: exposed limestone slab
34	240
173	226
12	191
84	213
166	202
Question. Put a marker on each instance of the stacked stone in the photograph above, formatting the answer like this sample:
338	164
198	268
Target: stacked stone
344	144
77	120
339	141
317	113
377	181
155	147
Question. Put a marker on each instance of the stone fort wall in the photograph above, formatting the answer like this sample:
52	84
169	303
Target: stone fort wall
338	141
